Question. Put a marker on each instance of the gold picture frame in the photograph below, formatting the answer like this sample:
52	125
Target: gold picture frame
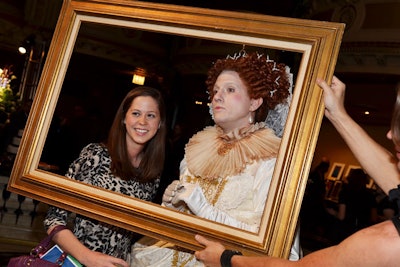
336	171
348	170
318	42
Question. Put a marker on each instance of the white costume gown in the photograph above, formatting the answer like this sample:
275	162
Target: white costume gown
238	195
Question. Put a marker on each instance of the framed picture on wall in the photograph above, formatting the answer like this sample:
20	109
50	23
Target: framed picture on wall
336	171
348	170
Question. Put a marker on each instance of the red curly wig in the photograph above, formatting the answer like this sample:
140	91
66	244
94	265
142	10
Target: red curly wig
263	78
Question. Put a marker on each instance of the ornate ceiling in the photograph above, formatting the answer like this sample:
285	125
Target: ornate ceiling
369	59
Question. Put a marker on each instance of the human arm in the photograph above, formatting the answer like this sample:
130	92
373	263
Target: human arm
375	160
85	168
70	244
368	247
212	252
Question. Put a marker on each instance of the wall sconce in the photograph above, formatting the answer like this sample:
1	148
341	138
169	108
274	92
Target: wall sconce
27	44
138	79
22	50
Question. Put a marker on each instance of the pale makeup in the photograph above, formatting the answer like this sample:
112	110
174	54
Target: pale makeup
231	103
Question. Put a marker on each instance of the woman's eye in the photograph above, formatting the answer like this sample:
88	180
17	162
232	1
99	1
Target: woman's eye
231	89
136	114
151	116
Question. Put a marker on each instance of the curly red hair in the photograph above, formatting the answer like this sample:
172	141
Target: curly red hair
263	78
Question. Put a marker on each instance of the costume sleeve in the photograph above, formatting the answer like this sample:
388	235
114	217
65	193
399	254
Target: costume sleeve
261	179
194	198
55	216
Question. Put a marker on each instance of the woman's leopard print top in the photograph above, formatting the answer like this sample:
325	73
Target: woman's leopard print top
93	167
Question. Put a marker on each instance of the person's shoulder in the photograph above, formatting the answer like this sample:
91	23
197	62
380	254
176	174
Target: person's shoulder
95	148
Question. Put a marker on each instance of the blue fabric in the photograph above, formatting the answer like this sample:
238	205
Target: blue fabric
54	254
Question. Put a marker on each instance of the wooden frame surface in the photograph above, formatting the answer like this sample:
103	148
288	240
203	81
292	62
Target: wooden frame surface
318	42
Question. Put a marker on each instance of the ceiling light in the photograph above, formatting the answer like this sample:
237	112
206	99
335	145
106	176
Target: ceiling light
22	50
138	79
27	44
139	76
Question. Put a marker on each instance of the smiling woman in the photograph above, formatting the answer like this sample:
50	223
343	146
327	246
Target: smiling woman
142	121
129	163
164	39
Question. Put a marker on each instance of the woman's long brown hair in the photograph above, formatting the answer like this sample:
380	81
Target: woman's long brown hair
152	162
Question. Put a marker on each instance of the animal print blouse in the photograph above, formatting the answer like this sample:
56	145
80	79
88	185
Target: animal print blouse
93	167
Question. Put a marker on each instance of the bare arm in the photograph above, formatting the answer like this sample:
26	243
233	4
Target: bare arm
379	163
368	247
70	244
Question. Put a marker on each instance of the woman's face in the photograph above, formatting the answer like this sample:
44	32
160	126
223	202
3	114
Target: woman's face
231	103
396	148
141	120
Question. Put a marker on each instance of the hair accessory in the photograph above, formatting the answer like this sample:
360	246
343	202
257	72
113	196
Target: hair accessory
268	60
276	118
277	79
242	53
210	110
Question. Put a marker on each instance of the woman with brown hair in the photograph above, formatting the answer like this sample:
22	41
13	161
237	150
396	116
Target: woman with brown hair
129	163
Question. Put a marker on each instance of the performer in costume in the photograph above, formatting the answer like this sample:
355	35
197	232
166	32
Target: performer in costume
377	245
227	168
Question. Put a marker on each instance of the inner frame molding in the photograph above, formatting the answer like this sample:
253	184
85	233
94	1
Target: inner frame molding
318	43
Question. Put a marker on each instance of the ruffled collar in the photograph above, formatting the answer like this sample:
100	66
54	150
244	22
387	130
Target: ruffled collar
211	154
